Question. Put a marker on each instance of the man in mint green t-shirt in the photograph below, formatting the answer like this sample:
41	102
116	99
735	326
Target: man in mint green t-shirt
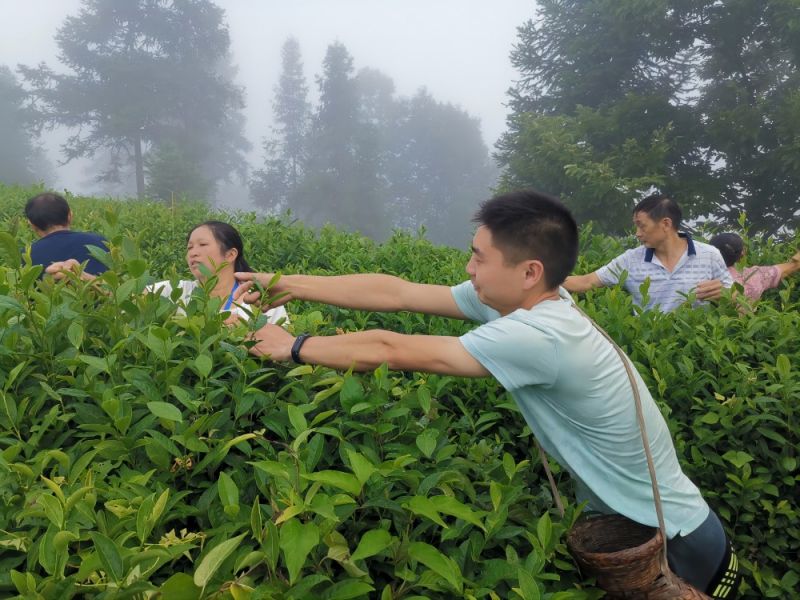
566	378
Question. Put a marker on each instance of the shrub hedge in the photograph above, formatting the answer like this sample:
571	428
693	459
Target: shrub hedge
146	454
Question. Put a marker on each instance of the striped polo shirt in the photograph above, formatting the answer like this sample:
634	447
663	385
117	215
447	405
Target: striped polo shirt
700	262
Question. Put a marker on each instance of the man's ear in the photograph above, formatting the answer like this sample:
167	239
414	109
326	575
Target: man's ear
534	273
69	218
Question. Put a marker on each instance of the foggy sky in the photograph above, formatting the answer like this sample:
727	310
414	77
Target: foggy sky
457	49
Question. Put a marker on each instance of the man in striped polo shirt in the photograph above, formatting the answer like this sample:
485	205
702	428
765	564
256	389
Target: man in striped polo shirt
674	263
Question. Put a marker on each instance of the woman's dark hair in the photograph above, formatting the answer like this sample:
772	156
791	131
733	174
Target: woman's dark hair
228	239
730	245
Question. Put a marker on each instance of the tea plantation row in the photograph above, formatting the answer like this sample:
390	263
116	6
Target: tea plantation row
147	455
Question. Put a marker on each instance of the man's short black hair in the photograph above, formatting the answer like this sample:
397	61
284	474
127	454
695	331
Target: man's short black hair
526	225
47	210
730	245
660	206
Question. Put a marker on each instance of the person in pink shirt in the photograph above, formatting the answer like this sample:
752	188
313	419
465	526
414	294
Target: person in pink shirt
754	280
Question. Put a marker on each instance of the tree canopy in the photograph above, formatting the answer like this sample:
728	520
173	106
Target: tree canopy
143	74
696	99
367	159
21	160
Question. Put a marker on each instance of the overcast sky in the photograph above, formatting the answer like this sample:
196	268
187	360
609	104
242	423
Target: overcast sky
457	49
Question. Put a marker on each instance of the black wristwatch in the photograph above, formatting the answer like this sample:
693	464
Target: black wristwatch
298	343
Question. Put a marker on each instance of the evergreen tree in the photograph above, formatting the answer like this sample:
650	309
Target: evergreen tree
21	160
440	169
749	108
602	111
697	99
144	72
341	180
285	152
368	160
171	174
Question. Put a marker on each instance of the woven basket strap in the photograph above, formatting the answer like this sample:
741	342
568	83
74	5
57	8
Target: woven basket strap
553	487
645	441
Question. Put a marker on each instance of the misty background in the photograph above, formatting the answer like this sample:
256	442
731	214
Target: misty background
374	116
455	50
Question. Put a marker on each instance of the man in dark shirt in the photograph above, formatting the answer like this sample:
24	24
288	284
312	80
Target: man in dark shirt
50	218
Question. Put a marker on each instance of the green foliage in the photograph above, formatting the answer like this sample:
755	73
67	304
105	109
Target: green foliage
171	173
139	73
698	99
286	152
21	160
146	454
369	160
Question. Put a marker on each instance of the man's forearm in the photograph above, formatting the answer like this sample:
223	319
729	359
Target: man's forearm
373	292
376	292
582	283
366	350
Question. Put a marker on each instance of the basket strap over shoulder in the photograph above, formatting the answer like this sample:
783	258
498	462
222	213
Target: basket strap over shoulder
645	442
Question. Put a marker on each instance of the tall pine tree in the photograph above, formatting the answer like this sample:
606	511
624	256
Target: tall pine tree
342	182
285	152
145	73
21	160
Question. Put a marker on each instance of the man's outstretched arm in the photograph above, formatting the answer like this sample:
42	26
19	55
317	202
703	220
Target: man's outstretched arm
582	283
369	291
367	350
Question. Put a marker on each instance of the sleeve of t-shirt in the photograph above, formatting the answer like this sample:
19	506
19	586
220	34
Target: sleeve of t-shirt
515	353
609	274
276	314
468	303
160	287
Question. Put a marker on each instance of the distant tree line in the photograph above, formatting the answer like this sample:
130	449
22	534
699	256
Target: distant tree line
366	159
148	94
698	99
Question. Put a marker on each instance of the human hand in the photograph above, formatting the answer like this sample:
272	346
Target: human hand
248	292
273	341
60	269
232	320
710	289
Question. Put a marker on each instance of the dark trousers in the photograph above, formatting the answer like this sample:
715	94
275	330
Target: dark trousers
705	559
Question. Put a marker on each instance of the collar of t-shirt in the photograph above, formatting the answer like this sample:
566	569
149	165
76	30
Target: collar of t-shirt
57	232
650	252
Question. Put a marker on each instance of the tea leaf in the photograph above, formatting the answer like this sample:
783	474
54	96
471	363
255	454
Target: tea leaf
203	364
344	481
426	441
438	563
213	560
297	541
737	458
180	586
450	506
347	589
228	491
164	410
109	556
52	510
372	542
362	468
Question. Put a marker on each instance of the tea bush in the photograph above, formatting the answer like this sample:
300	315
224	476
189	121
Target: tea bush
145	454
